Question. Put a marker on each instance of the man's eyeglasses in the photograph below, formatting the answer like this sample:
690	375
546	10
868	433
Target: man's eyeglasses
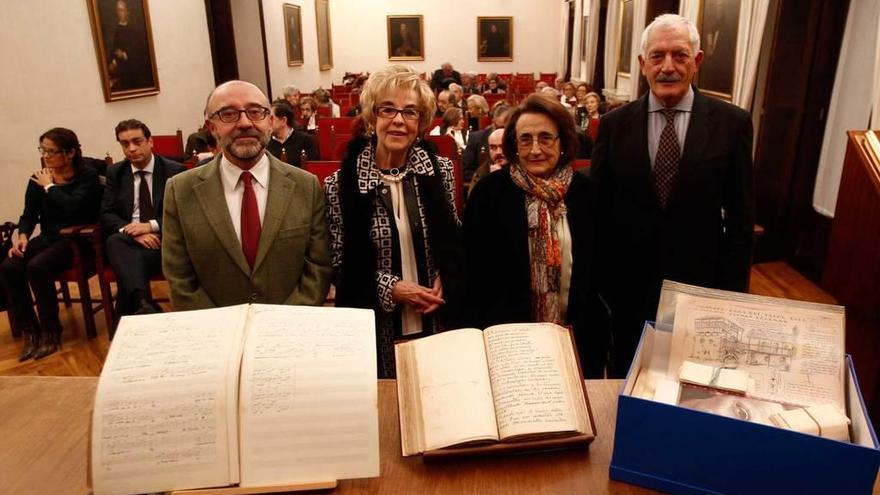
545	139
48	151
391	112
231	115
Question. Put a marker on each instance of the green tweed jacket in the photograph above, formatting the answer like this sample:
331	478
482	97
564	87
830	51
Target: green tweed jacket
202	257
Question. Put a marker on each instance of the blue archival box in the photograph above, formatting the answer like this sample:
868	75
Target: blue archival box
684	451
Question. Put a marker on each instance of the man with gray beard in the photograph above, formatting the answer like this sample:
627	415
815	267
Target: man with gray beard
244	227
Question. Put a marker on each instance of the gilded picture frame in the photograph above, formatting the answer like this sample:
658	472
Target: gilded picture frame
495	39
718	22
293	38
406	37
325	45
123	40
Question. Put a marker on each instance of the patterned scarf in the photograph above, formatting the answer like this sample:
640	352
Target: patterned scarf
545	205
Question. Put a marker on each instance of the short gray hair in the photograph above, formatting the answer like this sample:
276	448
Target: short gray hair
289	90
480	102
671	21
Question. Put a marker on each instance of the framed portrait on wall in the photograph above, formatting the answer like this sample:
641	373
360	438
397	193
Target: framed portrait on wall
325	48
624	43
406	40
495	39
718	22
293	34
124	48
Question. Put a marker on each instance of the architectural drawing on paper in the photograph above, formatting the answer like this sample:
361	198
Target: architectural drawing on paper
723	341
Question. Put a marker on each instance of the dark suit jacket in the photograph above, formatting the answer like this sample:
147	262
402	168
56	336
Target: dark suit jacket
704	235
470	158
295	144
118	201
440	81
202	257
499	278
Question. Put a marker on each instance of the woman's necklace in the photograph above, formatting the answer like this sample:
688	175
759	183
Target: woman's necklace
394	174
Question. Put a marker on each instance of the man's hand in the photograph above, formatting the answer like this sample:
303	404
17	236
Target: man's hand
19	246
137	229
423	299
149	240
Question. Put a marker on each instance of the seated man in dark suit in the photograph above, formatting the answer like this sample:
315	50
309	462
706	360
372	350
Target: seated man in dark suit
288	140
478	141
131	213
444	76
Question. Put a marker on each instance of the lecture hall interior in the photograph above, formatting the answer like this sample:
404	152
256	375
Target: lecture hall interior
808	73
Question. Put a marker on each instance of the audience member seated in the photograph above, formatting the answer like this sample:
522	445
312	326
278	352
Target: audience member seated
496	160
493	87
457	92
288	141
592	103
479	140
393	228
322	98
443	102
197	142
568	98
291	94
307	114
444	76
477	108
208	155
529	237
131	215
494	76
453	126
469	83
62	194
540	85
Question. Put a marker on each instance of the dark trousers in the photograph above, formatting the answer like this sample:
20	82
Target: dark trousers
133	265
44	259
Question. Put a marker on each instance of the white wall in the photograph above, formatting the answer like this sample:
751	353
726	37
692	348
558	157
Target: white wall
360	41
50	78
249	42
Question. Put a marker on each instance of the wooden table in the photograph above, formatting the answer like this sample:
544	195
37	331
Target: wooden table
45	423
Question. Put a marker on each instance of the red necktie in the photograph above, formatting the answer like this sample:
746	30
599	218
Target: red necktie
250	219
668	154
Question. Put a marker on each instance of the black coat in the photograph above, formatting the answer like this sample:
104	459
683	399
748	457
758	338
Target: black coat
702	237
296	142
440	81
117	204
499	278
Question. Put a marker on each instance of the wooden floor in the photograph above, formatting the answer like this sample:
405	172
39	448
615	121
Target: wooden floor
80	356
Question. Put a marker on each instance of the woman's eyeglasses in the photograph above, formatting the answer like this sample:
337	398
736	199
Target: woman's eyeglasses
391	112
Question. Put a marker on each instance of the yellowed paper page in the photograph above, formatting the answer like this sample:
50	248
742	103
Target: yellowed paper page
531	380
791	354
454	388
308	408
164	418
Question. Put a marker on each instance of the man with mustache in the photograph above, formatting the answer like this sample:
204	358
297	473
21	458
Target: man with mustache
244	227
673	174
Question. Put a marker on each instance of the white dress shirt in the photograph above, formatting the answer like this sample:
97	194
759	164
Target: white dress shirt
233	189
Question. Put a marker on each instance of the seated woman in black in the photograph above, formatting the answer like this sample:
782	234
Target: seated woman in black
528	233
62	194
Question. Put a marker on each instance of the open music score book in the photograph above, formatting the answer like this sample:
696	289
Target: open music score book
510	387
254	395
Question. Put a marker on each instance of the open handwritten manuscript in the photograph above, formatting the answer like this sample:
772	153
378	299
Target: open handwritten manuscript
254	395
517	384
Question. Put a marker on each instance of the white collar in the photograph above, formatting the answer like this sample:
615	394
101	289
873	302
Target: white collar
685	105
148	169
231	173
